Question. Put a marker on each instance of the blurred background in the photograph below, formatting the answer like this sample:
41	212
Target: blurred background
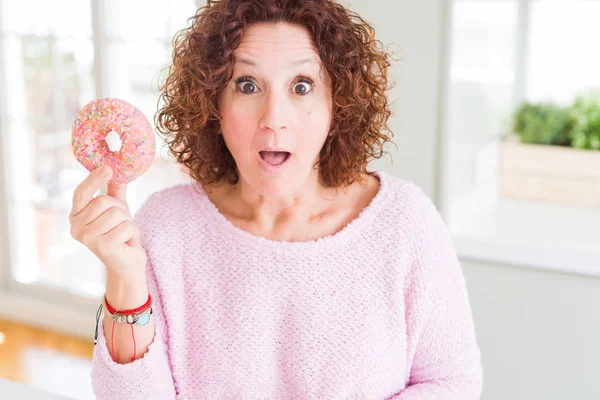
497	118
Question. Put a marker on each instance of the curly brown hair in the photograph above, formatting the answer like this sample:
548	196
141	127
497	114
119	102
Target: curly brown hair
202	65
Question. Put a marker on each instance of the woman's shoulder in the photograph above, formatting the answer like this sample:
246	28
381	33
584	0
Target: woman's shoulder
405	194
419	225
410	207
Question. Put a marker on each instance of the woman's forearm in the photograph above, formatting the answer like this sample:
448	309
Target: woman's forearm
123	294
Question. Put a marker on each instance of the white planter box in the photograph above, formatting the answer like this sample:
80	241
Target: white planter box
553	174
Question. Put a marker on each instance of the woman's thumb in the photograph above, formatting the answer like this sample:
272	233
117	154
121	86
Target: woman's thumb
117	190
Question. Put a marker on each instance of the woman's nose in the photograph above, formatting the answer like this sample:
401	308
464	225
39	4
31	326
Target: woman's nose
274	113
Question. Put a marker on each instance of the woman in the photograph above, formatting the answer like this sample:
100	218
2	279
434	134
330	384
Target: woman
286	270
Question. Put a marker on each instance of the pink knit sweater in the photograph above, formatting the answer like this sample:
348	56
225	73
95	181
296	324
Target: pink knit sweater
376	311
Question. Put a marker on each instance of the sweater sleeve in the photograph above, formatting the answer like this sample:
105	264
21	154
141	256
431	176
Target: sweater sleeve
148	377
441	334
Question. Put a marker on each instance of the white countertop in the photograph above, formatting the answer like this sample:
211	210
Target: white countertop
16	391
530	234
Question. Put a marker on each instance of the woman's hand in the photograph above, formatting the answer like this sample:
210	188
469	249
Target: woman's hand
105	226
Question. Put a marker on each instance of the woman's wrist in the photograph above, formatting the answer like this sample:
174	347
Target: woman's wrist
126	293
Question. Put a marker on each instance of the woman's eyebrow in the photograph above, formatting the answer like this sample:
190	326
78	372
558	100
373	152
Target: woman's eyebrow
243	60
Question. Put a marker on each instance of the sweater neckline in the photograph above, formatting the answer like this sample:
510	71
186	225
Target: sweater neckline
229	230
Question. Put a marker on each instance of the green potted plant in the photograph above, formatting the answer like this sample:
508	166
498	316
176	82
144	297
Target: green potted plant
585	114
553	152
543	123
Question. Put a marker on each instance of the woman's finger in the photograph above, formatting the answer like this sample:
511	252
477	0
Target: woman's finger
98	206
84	193
118	191
107	221
127	232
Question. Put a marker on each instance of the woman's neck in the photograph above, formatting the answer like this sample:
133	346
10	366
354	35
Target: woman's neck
311	200
311	214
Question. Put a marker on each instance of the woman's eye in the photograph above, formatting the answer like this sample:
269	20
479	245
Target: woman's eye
302	88
247	87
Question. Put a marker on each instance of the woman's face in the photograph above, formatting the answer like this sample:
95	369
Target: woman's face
276	110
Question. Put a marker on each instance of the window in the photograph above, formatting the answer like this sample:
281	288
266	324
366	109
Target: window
562	60
52	63
501	53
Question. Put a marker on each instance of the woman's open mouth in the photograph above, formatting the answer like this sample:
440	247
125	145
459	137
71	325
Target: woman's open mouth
273	161
274	157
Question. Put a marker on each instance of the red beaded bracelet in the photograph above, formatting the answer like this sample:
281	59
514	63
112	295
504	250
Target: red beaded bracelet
128	312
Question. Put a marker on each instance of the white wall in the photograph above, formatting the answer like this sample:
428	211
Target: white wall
414	31
539	332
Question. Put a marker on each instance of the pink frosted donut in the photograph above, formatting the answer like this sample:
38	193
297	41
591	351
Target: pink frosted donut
111	131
